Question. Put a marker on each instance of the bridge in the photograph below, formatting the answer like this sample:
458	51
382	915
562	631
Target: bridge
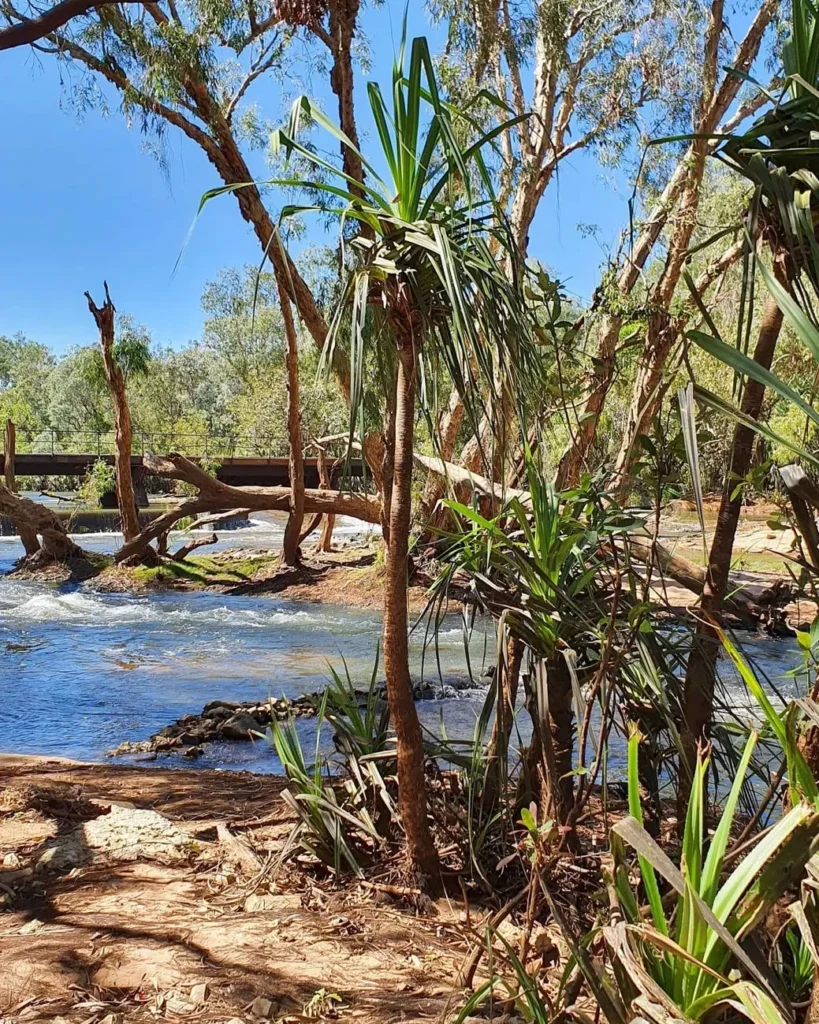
240	460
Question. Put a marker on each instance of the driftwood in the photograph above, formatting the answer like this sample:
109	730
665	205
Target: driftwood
182	552
104	317
222	517
214	496
40	521
459	475
750	604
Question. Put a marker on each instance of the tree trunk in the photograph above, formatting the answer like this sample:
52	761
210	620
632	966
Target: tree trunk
715	102
698	688
411	782
549	757
574	456
123	432
661	334
214	496
325	542
30	515
295	520
561	727
28	537
508	677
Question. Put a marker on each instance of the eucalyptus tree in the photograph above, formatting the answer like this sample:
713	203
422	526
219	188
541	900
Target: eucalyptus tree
712	112
587	72
191	66
599	78
433	285
778	155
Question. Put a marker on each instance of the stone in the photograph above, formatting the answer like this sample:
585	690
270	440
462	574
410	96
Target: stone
67	852
219	706
31	927
175	1003
12	861
262	1007
200	993
239	726
255	904
192	752
129	835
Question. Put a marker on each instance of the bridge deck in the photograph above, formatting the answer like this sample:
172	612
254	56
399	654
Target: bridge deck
237	471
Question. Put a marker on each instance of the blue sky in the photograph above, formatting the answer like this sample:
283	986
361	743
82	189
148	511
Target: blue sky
82	201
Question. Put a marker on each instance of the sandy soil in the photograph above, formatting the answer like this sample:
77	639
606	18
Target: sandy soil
157	916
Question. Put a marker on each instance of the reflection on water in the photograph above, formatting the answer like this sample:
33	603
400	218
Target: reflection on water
80	672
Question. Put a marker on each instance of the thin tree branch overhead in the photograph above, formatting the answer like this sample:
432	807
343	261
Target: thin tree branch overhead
31	30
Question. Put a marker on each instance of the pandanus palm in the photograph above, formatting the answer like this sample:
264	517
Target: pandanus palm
434	285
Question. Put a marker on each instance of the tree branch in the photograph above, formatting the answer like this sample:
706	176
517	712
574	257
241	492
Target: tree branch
30	30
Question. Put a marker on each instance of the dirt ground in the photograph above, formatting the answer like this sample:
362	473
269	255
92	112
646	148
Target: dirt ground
123	898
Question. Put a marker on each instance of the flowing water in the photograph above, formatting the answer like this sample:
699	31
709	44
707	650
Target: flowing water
82	671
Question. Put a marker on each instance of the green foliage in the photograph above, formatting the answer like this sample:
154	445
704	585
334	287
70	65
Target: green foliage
685	954
424	265
100	479
539	560
24	368
342	819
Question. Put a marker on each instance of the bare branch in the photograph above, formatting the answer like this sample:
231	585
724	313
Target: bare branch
30	30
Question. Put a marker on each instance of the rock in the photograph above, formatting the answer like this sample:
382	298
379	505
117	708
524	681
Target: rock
175	1003
255	904
129	835
65	853
12	861
192	752
31	927
262	1007
219	706
189	739
200	993
239	726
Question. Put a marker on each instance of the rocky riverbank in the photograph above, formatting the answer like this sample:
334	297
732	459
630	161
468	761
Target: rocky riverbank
219	720
241	721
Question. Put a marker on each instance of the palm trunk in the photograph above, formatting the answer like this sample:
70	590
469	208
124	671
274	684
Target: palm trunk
411	782
561	728
123	431
549	757
295	520
507	686
700	676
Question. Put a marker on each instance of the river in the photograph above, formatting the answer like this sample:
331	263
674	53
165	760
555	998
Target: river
82	671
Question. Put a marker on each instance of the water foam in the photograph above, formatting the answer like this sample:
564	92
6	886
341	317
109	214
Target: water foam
91	610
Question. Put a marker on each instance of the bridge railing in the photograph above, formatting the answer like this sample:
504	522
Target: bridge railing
211	447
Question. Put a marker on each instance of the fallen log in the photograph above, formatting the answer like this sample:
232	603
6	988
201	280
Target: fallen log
750	604
459	475
222	517
215	496
37	520
198	542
